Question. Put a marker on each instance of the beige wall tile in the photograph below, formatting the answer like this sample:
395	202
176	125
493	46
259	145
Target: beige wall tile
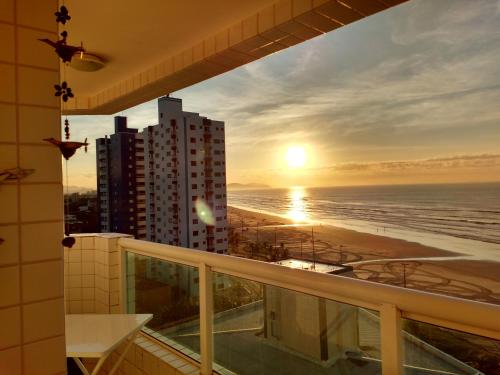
88	268
88	293
88	255
36	13
37	86
88	307
9	252
74	256
35	209
88	281
45	160
42	320
88	243
10	329
7	83
75	281
10	360
75	269
75	294
75	307
8	202
41	241
8	157
31	51
50	353
43	280
8	121
9	286
7	43
7	10
36	123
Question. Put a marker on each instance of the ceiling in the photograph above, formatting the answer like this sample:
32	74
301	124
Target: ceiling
155	47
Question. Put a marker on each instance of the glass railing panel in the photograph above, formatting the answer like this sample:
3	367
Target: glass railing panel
429	349
169	291
263	329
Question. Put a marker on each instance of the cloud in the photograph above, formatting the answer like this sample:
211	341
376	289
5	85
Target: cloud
411	83
449	162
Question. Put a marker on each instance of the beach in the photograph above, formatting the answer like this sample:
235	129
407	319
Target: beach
374	257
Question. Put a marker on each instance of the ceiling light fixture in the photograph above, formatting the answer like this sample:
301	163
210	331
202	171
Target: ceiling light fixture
87	62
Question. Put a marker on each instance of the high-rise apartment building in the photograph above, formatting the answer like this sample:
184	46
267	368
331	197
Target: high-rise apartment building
185	179
120	181
168	183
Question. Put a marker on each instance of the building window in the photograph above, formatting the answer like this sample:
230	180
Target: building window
195	232
193	163
194	197
194	186
194	174
195	221
193	152
193	140
192	127
195	244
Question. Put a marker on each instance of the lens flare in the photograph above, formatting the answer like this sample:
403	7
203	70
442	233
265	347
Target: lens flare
204	212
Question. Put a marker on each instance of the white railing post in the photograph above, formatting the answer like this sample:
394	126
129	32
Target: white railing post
390	340
206	318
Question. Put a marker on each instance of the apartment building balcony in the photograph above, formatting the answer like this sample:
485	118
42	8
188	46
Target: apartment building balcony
236	327
249	317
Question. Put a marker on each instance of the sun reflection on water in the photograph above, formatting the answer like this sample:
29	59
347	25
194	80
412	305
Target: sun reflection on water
297	210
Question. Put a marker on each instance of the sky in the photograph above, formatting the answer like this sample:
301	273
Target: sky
409	95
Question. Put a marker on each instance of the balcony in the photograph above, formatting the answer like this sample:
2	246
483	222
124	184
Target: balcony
223	314
104	273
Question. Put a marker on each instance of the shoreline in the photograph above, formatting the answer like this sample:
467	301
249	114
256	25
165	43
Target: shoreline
458	246
375	257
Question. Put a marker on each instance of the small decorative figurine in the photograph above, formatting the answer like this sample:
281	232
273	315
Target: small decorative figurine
64	50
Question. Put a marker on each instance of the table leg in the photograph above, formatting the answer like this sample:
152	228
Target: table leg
129	344
81	366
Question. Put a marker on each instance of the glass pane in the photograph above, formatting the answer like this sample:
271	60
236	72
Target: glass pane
437	350
170	292
262	329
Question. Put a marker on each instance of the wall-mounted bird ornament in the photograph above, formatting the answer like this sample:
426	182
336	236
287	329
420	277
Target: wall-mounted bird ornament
14	174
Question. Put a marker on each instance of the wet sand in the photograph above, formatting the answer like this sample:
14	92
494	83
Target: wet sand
374	257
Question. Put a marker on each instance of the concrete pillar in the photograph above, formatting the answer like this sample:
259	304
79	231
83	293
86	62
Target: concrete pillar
31	209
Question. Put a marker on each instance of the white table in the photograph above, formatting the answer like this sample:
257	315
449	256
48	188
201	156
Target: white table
97	335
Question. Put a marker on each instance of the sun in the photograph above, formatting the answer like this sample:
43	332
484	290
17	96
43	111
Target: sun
296	157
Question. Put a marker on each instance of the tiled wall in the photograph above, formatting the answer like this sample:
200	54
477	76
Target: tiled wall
31	210
92	274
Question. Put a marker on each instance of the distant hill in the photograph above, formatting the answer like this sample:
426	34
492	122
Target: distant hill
251	186
78	189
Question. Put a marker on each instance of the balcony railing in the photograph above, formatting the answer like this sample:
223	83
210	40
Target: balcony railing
236	315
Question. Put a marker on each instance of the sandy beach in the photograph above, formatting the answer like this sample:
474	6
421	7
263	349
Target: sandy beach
374	257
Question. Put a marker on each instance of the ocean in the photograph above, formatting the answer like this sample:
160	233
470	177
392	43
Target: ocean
463	218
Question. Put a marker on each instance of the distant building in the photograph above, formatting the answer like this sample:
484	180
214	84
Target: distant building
168	183
185	179
120	181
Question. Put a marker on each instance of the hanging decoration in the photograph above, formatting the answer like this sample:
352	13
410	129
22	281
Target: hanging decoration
64	91
64	50
62	15
67	147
